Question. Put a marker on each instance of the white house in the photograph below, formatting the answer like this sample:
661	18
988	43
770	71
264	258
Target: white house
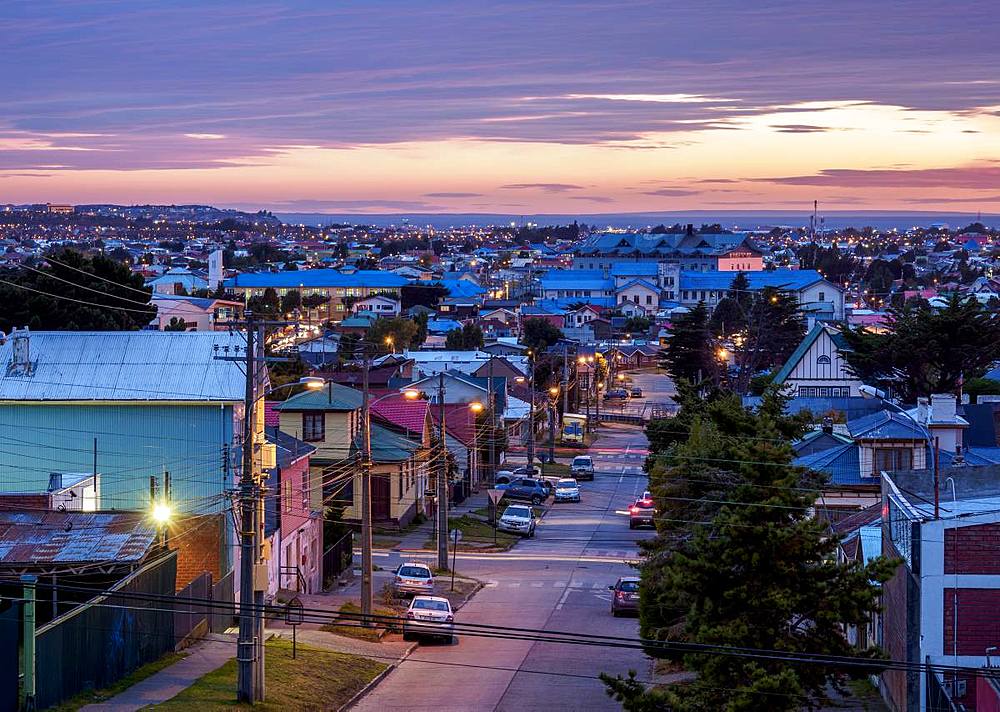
379	305
640	292
818	369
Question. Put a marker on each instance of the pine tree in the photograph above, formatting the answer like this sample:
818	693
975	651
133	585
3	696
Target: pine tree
689	352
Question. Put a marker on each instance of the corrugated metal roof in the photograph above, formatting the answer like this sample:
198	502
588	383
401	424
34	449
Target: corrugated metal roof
332	397
317	278
43	538
126	366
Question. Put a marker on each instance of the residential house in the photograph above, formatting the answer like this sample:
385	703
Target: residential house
941	606
691	249
378	304
818	367
179	280
198	314
817	297
131	408
641	293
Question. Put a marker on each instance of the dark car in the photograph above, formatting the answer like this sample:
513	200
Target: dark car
636	392
641	514
625	595
527	489
616	394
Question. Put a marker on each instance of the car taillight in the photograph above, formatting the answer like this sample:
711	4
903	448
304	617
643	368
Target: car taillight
621	594
449	619
634	510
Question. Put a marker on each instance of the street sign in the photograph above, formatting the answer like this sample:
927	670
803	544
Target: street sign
456	535
294	615
495	495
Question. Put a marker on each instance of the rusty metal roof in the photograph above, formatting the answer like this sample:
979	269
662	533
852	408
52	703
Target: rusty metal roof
41	539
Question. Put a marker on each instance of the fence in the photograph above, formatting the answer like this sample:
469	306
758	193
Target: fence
224	595
188	616
103	640
337	558
10	628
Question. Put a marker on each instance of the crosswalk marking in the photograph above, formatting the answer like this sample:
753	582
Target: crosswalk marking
537	584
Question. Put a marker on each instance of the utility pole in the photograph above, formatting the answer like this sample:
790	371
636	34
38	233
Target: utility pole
245	645
491	404
565	379
366	504
28	653
442	484
531	409
260	567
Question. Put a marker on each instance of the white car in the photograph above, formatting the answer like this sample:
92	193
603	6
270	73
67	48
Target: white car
518	519
567	490
429	616
582	467
413	578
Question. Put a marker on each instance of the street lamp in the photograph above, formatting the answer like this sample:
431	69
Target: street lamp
389	343
554	393
476	408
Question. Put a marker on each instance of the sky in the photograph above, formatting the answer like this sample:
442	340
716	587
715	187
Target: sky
553	106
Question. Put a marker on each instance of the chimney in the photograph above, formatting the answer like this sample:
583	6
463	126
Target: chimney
828	425
20	361
922	410
943	407
690	229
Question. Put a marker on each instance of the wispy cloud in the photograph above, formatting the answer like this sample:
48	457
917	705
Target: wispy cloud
205	136
456	194
544	187
670	192
971	176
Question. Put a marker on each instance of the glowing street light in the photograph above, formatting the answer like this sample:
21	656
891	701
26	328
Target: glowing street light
476	406
722	353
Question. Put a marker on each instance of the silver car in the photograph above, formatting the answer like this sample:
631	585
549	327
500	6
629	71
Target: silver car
518	519
413	578
567	490
429	616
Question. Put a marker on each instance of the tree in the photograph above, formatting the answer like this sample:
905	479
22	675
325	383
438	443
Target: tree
638	324
690	352
176	323
730	313
421	335
74	292
268	305
291	301
391	334
427	295
468	338
540	334
976	387
740	562
926	350
774	327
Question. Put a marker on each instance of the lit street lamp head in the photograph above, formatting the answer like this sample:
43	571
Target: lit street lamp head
312	382
554	391
475	406
411	394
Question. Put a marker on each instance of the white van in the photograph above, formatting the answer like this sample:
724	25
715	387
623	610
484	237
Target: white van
582	467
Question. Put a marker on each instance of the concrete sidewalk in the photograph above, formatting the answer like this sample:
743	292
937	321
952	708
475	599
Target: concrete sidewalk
202	658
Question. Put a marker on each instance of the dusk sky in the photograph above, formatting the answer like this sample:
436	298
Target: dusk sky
513	107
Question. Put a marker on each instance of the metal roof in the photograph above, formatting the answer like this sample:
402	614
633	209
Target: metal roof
787	279
316	278
126	366
332	397
40	539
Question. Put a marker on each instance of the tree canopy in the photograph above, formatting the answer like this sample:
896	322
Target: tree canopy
386	335
926	350
75	292
740	561
539	334
468	338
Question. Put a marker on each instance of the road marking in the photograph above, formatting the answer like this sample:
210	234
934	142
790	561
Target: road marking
562	599
514	584
597	585
492	584
537	584
558	584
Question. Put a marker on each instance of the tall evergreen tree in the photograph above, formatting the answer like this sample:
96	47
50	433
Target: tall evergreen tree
740	562
690	352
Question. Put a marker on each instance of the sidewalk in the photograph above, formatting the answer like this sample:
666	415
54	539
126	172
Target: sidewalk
203	658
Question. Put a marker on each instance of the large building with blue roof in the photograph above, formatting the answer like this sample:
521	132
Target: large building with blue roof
708	252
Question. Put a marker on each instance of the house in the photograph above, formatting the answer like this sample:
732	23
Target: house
567	287
581	316
132	408
640	293
292	523
330	420
179	280
941	605
817	368
378	304
198	314
458	308
691	249
554	316
817	297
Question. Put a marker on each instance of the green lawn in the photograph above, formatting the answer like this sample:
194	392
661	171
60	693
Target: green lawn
475	532
105	693
316	680
555	469
352	629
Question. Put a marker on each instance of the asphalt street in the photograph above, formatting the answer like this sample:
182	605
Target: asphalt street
557	581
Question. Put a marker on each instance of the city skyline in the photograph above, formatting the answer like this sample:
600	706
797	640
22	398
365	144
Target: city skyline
562	107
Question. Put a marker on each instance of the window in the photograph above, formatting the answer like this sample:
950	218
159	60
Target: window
400	478
286	494
823	360
649	299
313	427
306	491
892	458
822	296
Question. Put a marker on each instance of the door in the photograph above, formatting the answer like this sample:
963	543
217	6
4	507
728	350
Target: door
380	497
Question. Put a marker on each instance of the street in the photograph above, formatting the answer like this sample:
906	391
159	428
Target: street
557	581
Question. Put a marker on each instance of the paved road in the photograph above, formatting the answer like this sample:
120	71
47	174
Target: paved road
557	581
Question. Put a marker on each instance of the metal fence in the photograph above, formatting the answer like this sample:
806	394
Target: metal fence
187	615
939	693
103	640
337	558
224	596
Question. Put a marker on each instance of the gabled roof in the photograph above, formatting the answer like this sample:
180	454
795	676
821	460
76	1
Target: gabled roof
641	283
885	425
789	279
288	448
333	397
838	340
126	366
841	463
43	539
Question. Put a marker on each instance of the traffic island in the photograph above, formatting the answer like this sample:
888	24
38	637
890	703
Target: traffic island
314	679
348	624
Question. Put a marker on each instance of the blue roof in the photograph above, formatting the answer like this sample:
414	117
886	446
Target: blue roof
567	302
442	326
852	407
316	278
841	463
641	282
885	425
791	279
457	287
592	279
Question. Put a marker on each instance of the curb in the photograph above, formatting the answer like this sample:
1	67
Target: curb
373	683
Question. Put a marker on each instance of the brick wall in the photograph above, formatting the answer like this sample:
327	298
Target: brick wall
976	550
978	621
895	602
198	541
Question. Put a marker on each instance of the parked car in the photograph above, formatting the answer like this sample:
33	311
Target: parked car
527	471
413	578
636	392
625	595
429	616
616	394
582	467
641	513
504	477
518	519
567	490
527	489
